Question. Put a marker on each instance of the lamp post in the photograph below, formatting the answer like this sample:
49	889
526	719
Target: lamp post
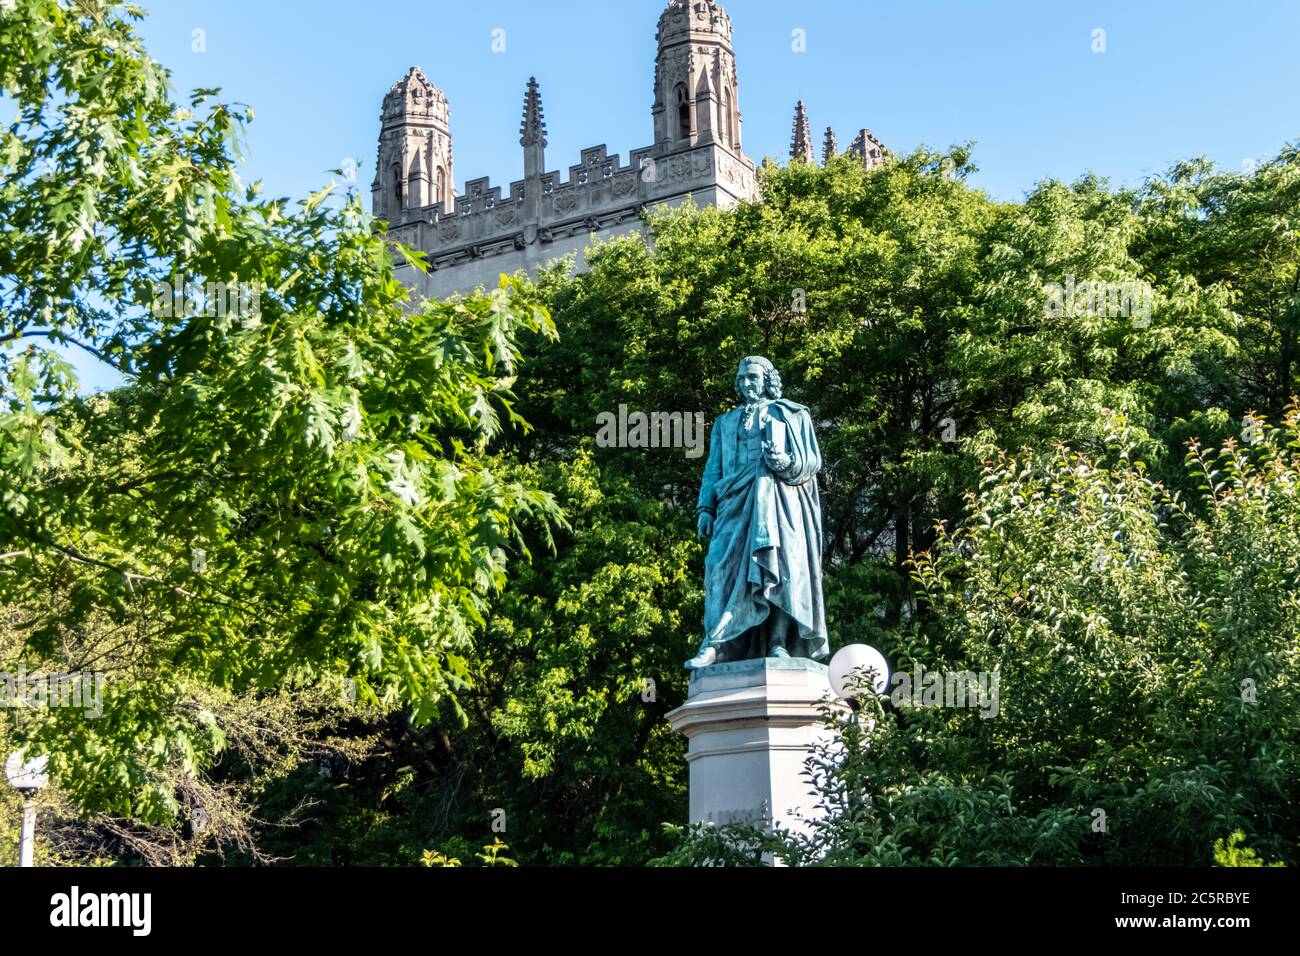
857	670
26	776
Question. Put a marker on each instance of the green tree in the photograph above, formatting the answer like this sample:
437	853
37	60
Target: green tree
1238	233
1146	660
566	740
291	492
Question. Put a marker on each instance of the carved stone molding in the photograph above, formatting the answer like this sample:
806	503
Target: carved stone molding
624	184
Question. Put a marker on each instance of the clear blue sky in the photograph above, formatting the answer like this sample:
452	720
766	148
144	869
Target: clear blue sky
1178	78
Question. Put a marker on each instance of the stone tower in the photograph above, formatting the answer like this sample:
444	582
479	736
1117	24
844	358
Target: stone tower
801	146
414	168
696	87
867	148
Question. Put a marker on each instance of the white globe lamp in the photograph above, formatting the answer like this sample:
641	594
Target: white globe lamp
849	667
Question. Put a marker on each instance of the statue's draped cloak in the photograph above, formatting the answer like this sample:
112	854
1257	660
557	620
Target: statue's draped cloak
765	551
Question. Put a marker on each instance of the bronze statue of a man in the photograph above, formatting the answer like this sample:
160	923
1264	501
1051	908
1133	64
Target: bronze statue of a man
759	508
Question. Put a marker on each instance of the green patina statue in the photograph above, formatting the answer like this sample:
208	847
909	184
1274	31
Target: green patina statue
759	508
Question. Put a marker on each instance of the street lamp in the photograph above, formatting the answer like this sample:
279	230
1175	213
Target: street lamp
851	664
849	671
26	776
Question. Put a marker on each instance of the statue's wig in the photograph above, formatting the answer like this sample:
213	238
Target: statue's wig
771	377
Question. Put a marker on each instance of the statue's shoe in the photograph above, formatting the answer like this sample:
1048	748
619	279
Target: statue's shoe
703	659
779	652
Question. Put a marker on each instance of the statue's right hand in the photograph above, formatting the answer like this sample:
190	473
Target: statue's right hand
705	525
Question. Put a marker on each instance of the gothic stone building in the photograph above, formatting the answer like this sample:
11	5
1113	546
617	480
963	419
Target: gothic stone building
471	238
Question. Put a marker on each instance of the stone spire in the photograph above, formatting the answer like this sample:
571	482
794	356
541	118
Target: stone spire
801	142
532	137
828	146
533	129
532	132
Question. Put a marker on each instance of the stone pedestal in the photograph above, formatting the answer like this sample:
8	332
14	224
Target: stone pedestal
751	724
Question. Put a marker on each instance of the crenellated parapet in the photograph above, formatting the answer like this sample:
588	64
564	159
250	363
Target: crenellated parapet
599	192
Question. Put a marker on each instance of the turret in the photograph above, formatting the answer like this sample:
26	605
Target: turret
414	168
696	87
868	149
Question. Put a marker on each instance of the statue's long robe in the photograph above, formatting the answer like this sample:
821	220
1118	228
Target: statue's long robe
765	553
